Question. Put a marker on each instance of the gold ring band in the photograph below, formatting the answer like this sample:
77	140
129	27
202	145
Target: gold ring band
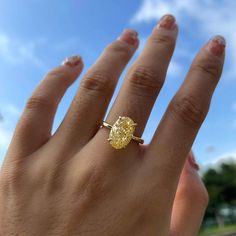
105	124
122	132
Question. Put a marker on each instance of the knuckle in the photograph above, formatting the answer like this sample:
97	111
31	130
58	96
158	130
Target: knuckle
163	39
60	75
188	110
93	183
11	177
98	81
144	81
120	49
54	181
55	73
96	185
208	66
39	102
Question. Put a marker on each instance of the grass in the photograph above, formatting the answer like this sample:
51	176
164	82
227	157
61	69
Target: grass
215	230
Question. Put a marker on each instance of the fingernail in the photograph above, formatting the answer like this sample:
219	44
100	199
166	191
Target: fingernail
129	36
72	61
192	162
167	22
217	45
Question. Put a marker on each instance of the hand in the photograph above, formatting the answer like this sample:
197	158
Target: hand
190	202
74	182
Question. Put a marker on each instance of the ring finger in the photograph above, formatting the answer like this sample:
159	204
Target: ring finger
145	78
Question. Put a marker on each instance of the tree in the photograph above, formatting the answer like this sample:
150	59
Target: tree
221	186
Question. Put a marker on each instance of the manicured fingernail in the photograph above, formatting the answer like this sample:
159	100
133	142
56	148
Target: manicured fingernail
129	36
72	61
167	22
217	45
192	161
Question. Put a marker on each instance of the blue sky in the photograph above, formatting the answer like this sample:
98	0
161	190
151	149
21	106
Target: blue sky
36	35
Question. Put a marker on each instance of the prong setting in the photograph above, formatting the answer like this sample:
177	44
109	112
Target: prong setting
122	132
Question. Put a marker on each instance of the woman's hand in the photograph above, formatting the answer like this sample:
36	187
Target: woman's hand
190	202
74	182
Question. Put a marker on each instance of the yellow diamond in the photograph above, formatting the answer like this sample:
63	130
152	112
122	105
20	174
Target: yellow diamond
122	132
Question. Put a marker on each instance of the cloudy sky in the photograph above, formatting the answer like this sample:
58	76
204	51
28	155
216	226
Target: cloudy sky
36	35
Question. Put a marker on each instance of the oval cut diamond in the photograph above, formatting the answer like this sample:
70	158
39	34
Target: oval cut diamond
122	132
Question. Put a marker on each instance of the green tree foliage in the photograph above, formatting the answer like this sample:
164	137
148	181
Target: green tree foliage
221	186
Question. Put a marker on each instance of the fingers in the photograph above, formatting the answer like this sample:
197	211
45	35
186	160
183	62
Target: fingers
34	127
186	112
146	77
187	216
96	89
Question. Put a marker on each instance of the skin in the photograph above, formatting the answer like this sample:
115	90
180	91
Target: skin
75	183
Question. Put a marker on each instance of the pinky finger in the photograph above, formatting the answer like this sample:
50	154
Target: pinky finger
34	127
190	201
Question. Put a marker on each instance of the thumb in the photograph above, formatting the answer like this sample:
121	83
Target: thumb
190	201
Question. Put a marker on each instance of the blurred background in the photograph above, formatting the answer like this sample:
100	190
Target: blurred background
36	35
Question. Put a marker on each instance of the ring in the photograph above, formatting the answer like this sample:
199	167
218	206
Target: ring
122	132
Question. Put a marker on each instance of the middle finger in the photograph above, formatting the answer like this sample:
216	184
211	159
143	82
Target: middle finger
145	78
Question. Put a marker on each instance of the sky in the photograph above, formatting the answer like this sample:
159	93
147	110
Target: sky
36	35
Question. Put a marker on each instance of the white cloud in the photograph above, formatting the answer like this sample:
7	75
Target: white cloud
5	137
154	9
12	110
203	10
10	114
175	68
225	157
204	17
15	52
